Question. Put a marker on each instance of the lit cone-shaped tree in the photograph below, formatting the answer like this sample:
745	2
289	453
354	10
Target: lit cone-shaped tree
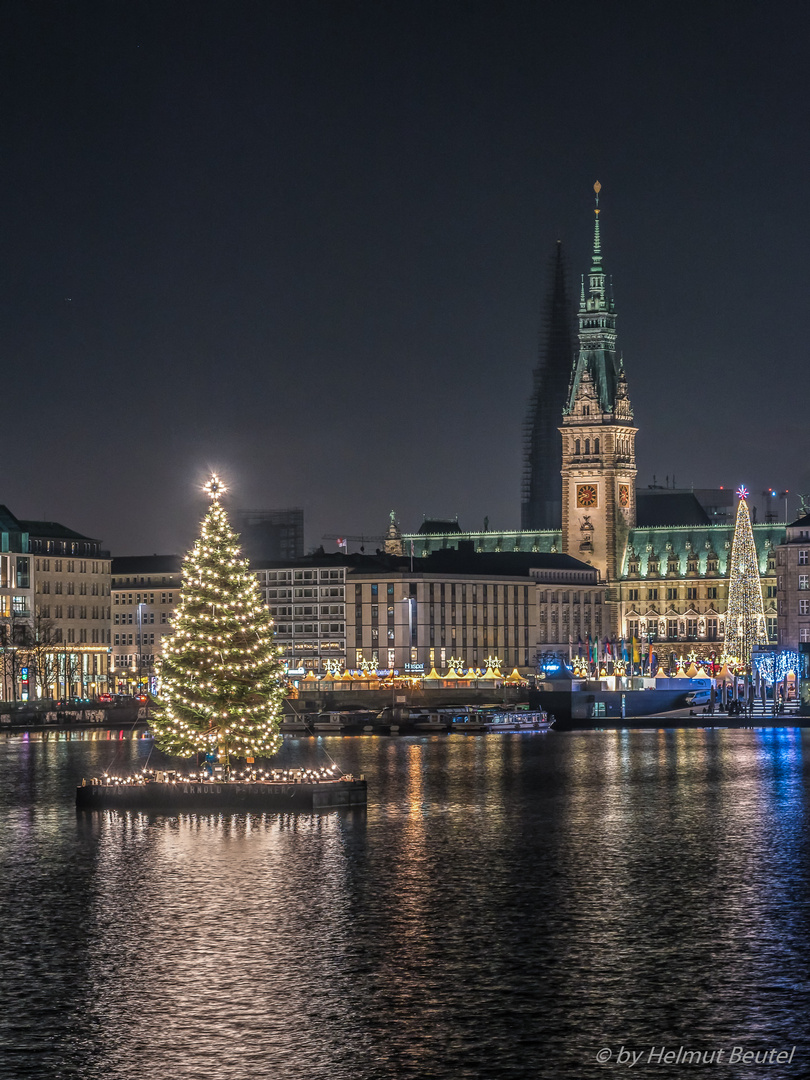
745	617
220	680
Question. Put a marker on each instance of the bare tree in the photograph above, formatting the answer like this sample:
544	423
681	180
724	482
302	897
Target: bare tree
15	643
44	649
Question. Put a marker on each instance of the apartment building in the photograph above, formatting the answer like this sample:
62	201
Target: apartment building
411	615
793	585
144	595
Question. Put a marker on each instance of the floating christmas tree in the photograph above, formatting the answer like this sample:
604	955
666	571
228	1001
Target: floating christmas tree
745	617
220	677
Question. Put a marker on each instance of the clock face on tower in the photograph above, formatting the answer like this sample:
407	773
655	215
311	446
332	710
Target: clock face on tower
586	495
624	494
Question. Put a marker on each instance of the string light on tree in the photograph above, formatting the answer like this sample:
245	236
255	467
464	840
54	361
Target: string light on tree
745	618
220	678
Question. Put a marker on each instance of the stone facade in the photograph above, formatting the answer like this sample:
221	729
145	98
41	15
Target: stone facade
793	585
145	592
383	610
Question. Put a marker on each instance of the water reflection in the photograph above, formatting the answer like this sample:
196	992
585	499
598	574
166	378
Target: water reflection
517	900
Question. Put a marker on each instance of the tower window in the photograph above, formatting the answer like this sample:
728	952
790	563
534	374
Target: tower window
576	446
596	446
587	446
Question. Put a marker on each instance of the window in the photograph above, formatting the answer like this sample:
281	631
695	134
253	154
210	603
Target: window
23	573
770	591
804	607
19	605
691	629
711	592
804	581
804	633
672	628
772	628
803	560
672	594
373	590
691	593
711	629
652	594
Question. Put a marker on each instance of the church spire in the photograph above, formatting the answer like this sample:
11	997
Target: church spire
597	330
596	268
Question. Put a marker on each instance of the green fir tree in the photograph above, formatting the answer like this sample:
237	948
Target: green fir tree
745	617
220	679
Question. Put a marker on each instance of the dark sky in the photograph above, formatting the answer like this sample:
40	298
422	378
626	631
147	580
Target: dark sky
305	243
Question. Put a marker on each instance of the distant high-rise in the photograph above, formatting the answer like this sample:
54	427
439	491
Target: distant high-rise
271	534
541	503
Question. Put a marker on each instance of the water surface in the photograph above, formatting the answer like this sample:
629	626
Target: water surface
507	906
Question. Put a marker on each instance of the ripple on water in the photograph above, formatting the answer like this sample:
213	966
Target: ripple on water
506	906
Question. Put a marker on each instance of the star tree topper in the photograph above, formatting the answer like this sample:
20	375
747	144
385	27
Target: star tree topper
214	489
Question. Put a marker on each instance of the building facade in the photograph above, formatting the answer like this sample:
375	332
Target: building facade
392	613
54	611
793	585
145	592
271	535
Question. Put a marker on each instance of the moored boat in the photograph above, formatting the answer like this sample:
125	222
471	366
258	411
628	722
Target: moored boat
493	721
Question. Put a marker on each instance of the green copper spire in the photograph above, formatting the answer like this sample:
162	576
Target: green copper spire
597	330
596	267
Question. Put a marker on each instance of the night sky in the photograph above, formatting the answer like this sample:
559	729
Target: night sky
306	244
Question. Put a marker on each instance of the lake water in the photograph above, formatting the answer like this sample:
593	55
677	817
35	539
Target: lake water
507	906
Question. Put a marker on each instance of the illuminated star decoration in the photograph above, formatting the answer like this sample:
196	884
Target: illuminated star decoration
215	489
742	492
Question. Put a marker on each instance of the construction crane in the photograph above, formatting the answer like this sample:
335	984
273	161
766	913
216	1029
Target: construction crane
345	540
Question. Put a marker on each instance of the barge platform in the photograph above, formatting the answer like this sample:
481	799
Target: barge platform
182	796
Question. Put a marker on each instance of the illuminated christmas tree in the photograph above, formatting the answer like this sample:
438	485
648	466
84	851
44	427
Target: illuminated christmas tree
220	678
745	618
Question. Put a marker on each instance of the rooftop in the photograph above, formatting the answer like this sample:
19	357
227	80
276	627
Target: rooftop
147	564
658	508
52	530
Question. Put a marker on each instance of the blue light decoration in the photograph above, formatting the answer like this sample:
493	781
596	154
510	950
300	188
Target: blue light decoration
774	667
552	666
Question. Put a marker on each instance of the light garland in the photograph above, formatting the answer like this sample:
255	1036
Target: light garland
220	679
745	617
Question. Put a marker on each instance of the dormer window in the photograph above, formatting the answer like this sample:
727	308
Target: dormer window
586	410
